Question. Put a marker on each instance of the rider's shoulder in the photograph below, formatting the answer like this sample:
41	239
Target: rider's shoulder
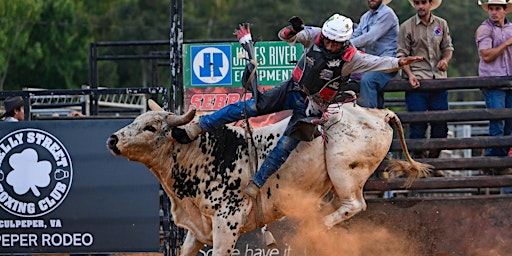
349	53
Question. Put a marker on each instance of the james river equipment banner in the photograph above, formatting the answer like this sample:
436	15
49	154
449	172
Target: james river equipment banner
62	191
213	73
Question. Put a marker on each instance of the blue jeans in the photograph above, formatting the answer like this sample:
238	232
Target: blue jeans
286	144
371	85
424	101
498	99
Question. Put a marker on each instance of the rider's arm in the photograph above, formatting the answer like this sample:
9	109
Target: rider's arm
362	62
305	37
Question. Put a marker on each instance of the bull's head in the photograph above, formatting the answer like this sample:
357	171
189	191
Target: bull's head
149	132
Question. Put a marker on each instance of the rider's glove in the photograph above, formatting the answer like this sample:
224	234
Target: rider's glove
297	23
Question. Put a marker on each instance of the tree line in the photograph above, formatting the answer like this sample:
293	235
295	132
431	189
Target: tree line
45	44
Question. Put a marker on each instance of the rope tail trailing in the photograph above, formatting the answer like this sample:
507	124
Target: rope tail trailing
250	83
411	168
249	77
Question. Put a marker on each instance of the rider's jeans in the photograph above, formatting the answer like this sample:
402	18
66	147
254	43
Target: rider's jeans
285	145
275	159
371	85
228	114
498	99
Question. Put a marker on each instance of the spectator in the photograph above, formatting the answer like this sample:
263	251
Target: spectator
324	68
426	35
14	109
376	34
494	39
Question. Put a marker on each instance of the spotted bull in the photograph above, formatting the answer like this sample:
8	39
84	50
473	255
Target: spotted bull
205	179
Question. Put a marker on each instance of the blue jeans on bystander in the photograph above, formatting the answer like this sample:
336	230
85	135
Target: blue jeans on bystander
424	101
371	85
498	99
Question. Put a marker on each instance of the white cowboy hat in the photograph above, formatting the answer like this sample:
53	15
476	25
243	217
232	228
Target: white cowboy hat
485	6
435	3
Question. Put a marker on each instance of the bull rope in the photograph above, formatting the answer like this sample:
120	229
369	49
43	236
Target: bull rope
247	127
253	154
248	45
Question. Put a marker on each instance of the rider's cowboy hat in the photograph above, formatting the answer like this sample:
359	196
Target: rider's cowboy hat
485	6
12	103
435	3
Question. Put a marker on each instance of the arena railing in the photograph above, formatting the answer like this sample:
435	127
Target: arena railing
99	103
476	116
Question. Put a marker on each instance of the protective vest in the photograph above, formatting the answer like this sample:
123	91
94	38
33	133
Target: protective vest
319	74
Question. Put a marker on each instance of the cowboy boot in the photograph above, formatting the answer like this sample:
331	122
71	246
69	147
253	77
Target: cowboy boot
193	130
252	189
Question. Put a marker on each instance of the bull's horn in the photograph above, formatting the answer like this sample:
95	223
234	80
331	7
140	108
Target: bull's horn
154	106
174	120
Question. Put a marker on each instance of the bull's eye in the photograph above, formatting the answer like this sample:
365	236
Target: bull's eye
150	128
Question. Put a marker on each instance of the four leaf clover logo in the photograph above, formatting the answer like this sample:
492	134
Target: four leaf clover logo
28	173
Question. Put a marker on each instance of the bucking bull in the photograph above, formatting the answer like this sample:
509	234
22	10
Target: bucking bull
205	179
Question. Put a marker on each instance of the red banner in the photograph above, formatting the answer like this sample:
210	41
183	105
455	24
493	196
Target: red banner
207	100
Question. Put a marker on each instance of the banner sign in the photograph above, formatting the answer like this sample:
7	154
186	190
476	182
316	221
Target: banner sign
62	191
213	74
254	242
214	65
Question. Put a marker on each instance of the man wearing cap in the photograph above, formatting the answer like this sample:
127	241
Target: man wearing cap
376	34
494	39
323	69
14	109
426	35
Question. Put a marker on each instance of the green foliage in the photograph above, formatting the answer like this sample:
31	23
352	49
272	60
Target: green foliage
129	20
16	21
55	52
205	19
46	43
268	17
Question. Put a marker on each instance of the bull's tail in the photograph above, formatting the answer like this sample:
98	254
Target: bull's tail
410	167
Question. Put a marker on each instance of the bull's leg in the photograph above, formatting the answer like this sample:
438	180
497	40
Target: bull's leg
349	188
349	207
191	245
226	232
354	149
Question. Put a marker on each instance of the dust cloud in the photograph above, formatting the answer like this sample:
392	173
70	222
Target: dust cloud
362	237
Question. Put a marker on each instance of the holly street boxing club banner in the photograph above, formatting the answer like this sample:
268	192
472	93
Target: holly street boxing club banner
62	191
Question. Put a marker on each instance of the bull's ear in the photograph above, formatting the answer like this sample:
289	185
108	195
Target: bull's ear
153	105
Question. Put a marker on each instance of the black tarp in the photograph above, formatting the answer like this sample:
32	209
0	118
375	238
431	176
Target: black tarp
62	191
